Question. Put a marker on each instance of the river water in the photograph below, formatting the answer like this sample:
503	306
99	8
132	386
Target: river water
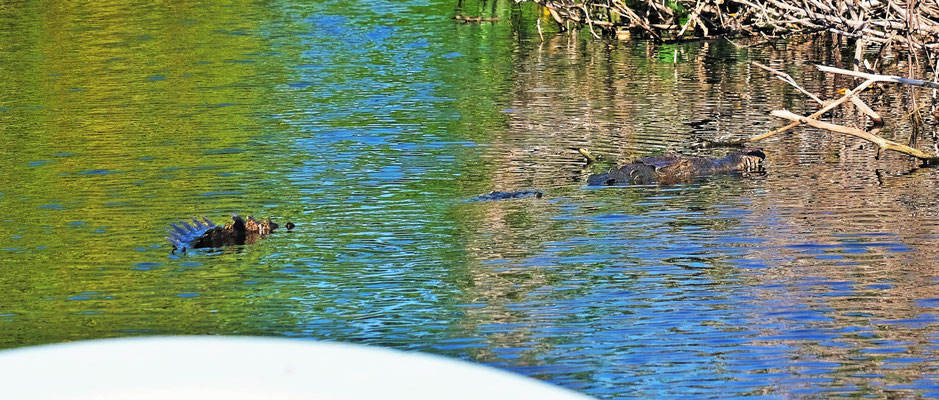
369	125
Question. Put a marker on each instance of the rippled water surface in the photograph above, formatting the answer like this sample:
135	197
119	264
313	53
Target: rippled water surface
369	125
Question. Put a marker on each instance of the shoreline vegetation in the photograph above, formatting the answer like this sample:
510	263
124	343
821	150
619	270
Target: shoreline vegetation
872	26
910	24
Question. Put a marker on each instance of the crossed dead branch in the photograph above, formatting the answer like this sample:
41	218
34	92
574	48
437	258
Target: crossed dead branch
850	95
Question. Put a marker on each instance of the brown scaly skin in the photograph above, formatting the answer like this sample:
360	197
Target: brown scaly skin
260	227
237	232
671	168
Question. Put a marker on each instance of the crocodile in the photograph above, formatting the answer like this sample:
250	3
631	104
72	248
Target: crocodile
671	168
205	233
494	196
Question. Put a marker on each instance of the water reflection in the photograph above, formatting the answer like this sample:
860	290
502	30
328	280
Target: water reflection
782	291
369	125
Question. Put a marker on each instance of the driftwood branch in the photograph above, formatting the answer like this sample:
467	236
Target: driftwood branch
880	78
786	128
864	108
884	144
788	79
848	95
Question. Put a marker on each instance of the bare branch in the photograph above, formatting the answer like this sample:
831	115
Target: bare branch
788	79
884	144
880	78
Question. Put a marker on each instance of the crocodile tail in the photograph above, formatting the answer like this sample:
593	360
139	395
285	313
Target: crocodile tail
178	230
183	233
176	240
198	224
180	235
203	224
188	228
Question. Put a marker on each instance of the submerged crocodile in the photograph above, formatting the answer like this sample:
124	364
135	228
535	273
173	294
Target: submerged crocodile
204	233
672	168
494	196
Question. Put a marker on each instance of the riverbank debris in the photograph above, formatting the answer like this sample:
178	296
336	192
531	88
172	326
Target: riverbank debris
906	25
